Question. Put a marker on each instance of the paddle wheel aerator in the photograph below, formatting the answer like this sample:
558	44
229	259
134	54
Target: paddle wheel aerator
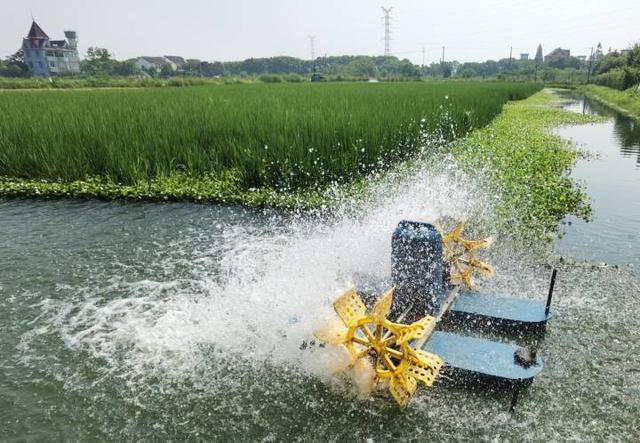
398	342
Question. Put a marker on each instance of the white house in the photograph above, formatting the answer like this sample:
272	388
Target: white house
177	60
157	63
154	63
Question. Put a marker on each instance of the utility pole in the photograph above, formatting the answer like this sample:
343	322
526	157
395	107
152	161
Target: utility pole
589	67
510	58
387	30
442	61
424	51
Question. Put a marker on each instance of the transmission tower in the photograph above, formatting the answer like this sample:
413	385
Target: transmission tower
312	40
387	30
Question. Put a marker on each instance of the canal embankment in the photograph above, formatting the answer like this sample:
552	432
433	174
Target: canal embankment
626	102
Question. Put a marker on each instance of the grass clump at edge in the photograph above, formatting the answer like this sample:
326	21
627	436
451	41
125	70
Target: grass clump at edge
627	102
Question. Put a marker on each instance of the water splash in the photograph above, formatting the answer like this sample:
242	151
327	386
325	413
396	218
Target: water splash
254	291
187	320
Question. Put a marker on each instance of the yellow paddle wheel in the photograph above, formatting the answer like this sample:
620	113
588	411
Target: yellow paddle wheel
380	350
460	256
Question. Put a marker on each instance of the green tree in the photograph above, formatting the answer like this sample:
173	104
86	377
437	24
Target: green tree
447	69
14	66
609	62
361	67
97	61
539	57
549	75
560	61
166	71
125	68
100	54
598	54
467	73
633	56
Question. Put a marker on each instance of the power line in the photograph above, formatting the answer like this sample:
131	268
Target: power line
387	30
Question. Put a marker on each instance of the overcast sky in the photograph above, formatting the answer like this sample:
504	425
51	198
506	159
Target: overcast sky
471	30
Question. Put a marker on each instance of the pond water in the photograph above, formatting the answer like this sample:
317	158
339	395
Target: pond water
612	178
125	321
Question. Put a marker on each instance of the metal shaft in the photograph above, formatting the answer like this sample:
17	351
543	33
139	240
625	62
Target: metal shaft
550	296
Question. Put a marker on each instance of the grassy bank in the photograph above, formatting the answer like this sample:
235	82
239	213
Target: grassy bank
282	136
519	158
627	102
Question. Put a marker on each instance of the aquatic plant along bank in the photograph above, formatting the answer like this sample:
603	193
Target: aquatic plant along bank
518	158
282	137
626	102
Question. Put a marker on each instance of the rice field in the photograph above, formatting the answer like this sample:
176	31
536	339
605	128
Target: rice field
291	136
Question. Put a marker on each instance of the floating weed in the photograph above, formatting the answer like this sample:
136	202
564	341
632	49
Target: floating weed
528	167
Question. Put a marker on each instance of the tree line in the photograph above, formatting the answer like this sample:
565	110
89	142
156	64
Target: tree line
618	69
99	61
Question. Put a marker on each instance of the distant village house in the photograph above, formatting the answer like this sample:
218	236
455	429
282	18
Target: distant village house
157	63
46	57
558	52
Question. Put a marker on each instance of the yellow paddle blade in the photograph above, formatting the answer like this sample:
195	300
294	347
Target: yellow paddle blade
466	277
415	330
455	233
333	332
382	307
398	392
350	307
472	245
485	268
408	382
424	366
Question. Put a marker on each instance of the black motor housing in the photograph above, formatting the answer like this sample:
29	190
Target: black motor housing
417	270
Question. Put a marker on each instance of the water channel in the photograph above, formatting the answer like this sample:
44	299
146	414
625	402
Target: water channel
125	321
612	178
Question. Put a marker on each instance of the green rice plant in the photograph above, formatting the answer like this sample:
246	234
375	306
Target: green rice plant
285	136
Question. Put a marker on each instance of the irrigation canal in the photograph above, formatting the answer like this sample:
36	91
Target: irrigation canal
612	178
184	322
